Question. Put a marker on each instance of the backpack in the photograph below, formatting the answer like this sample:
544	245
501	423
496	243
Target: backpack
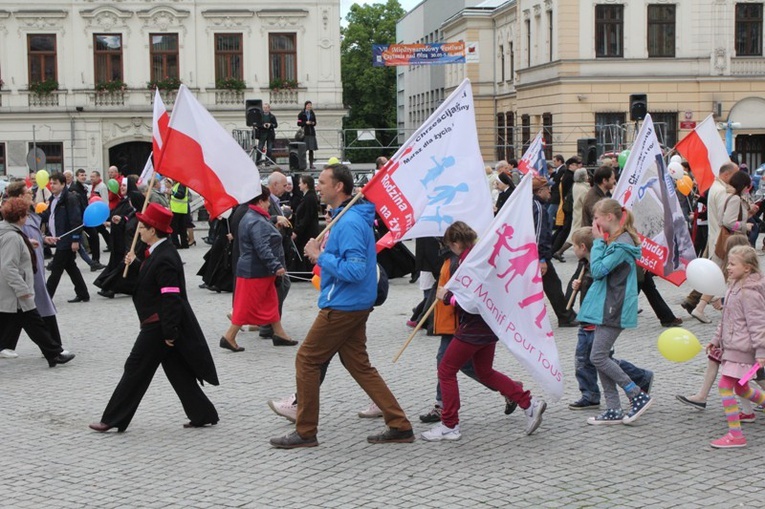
382	286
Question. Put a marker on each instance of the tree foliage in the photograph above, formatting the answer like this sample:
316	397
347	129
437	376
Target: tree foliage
369	92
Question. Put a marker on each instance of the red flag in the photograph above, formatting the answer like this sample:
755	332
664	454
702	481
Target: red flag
705	152
200	154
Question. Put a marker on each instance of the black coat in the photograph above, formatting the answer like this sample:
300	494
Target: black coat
163	270
68	216
309	130
269	132
502	198
306	219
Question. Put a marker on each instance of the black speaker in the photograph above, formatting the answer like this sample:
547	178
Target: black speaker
638	106
297	156
253	110
587	148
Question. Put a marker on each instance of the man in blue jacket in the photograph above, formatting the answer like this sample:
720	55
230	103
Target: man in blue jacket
348	291
63	215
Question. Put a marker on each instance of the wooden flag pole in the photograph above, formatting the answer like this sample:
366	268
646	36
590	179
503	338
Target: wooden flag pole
143	209
573	294
416	329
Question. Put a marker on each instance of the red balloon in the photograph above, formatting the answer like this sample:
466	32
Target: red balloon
28	182
94	199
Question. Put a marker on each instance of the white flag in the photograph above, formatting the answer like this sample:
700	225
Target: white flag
147	173
500	280
437	176
646	188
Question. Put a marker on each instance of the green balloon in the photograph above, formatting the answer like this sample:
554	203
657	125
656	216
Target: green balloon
114	186
623	155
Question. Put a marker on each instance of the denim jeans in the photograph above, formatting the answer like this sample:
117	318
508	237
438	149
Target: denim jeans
552	212
587	375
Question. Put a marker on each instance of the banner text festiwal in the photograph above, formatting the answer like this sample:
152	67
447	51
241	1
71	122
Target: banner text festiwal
436	177
500	279
646	188
435	53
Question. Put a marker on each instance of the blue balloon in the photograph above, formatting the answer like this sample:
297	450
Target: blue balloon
95	214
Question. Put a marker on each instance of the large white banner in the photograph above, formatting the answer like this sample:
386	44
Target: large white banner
646	188
500	280
437	176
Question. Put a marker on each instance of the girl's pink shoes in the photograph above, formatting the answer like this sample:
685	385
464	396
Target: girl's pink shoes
728	442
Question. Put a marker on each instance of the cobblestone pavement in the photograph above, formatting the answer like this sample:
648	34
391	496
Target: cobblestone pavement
50	459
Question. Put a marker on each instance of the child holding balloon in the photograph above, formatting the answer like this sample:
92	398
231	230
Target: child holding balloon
741	339
611	305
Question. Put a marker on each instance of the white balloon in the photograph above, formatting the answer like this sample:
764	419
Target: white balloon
706	277
676	170
676	159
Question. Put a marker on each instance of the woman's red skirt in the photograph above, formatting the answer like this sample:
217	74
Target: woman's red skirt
255	301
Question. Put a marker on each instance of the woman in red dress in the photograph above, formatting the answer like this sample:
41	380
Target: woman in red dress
261	261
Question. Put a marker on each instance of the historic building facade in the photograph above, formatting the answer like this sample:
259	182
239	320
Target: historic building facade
569	67
76	78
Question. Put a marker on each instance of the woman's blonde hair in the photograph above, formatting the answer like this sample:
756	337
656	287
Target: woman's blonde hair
624	216
733	241
747	255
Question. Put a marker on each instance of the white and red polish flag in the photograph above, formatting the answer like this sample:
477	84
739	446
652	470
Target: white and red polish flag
159	124
705	152
200	154
500	279
534	158
436	177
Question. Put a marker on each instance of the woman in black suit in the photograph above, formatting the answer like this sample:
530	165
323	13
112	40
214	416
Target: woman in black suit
306	220
170	334
307	120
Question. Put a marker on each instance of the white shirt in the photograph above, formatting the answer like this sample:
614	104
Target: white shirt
52	218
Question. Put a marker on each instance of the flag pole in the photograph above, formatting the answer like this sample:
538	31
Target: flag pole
143	209
573	294
356	198
416	329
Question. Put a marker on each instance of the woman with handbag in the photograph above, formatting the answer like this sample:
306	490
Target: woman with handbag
307	123
735	214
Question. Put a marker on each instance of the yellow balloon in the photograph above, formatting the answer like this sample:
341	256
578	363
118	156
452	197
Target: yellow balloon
678	345
316	281
42	178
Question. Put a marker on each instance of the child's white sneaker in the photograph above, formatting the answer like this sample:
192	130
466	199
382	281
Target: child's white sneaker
8	354
534	414
442	432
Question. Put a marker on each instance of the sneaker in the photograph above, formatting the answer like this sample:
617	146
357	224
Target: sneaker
610	416
433	416
96	267
745	417
583	404
534	414
286	407
392	436
8	354
442	432
371	412
690	403
728	442
510	406
411	323
293	440
640	404
646	387
700	316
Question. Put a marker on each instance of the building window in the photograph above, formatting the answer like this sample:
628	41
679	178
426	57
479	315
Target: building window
749	30
512	62
547	134
550	32
661	30
528	42
54	156
525	131
501	63
609	30
282	54
163	52
509	135
41	52
3	169
608	131
666	128
228	56
107	52
501	140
